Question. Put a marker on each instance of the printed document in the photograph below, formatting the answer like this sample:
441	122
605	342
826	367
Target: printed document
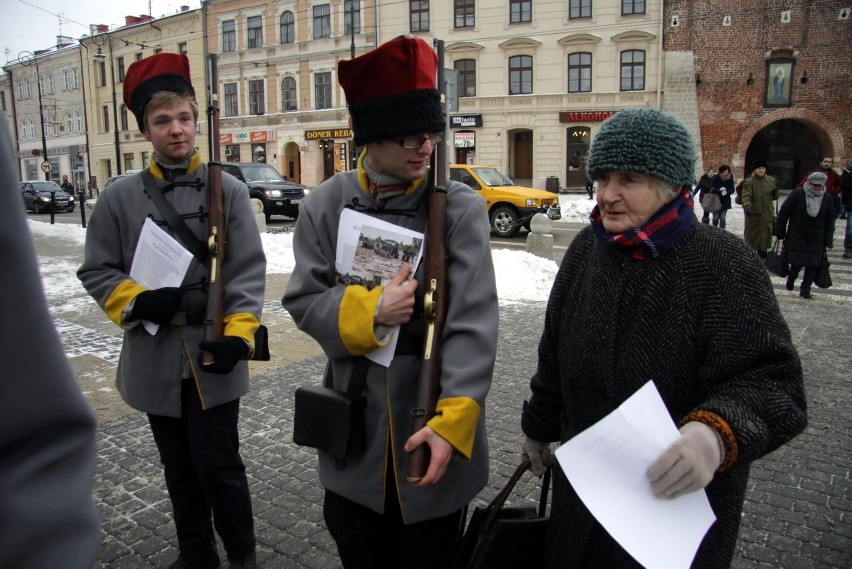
607	465
159	261
370	252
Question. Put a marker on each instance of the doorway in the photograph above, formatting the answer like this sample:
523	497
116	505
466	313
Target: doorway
791	149
578	151
520	157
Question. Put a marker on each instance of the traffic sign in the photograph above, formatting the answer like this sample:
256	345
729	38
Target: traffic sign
46	166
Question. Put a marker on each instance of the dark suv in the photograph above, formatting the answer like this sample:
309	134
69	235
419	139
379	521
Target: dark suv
42	195
279	196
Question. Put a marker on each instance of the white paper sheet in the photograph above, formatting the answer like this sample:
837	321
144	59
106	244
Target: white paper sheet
357	262
607	465
159	261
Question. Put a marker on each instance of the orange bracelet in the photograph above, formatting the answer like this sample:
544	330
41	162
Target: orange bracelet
721	426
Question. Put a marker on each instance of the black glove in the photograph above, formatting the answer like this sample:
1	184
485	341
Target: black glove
227	351
157	306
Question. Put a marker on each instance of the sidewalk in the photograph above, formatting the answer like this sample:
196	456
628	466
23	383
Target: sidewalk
797	508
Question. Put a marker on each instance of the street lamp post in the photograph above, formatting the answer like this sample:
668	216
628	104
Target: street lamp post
99	56
26	58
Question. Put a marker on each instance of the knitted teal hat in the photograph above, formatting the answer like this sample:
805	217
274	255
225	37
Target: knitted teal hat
647	141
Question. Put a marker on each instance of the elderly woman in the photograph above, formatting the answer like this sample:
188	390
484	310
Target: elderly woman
759	195
806	223
645	293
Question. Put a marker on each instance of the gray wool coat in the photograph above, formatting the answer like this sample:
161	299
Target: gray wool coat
702	322
151	367
469	343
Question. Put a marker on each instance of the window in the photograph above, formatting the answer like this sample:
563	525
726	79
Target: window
125	125
51	124
78	119
419	15
31	132
20	90
231	100
50	85
229	35
633	70
520	11
75	78
580	9
288	28
464	13
256	97
119	61
182	48
255	32
102	73
520	75
467	77
632	7
66	80
145	160
322	90
579	72
288	95
2	101
137	56
322	21
128	161
105	118
28	90
351	17
69	122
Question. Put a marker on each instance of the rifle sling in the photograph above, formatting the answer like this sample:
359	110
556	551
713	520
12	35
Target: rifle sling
174	220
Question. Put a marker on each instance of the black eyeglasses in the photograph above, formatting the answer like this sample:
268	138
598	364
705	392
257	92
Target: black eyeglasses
416	142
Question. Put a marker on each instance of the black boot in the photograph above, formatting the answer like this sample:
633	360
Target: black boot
790	283
805	293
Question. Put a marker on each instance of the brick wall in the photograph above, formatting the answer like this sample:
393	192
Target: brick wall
731	111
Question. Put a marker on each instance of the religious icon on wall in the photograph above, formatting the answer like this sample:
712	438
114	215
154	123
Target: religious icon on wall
779	84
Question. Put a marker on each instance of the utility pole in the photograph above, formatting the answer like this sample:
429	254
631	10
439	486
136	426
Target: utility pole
27	57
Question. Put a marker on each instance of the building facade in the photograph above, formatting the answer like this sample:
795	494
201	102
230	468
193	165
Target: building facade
116	144
772	81
47	113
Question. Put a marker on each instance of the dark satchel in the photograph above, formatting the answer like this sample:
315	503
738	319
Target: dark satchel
332	420
711	202
499	537
776	262
823	277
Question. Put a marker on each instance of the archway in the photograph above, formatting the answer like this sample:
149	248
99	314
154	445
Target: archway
792	141
291	163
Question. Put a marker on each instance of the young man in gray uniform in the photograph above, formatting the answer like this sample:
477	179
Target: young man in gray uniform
193	409
376	516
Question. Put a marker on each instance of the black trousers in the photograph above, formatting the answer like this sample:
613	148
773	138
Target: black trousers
205	474
369	540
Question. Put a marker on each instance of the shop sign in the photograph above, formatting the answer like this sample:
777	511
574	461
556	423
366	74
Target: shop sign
226	138
464	139
258	136
585	116
328	133
465	121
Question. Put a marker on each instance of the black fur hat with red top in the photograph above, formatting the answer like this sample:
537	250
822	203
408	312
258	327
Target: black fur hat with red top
160	72
391	91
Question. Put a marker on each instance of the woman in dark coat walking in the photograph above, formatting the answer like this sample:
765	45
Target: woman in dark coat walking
806	223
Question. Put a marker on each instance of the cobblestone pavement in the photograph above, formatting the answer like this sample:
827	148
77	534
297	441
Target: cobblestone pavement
797	512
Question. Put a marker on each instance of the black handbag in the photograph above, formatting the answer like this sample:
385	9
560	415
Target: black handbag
776	262
498	537
331	420
823	277
711	202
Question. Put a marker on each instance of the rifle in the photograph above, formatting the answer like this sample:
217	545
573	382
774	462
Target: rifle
435	299
214	317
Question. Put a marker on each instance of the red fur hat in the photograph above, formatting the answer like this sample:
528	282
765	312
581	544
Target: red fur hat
391	92
160	72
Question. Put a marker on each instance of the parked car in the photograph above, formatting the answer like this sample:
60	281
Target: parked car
43	195
279	196
509	206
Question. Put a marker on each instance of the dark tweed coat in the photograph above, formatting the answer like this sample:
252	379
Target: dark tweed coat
805	237
701	321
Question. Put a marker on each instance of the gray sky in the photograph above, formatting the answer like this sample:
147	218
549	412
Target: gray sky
30	25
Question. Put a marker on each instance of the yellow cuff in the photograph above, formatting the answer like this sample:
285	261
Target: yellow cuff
455	420
243	325
120	297
355	319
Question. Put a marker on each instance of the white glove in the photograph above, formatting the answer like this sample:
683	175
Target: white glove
689	464
724	193
538	453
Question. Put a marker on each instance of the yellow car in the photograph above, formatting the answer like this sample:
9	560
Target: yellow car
509	206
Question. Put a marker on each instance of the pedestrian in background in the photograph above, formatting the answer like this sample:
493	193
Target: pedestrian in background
376	517
759	195
846	192
722	185
66	185
643	294
193	409
832	184
806	223
705	184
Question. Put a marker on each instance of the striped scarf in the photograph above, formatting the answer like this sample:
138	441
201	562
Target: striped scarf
661	233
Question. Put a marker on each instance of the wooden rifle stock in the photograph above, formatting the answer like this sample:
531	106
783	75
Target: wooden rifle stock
214	317
435	298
